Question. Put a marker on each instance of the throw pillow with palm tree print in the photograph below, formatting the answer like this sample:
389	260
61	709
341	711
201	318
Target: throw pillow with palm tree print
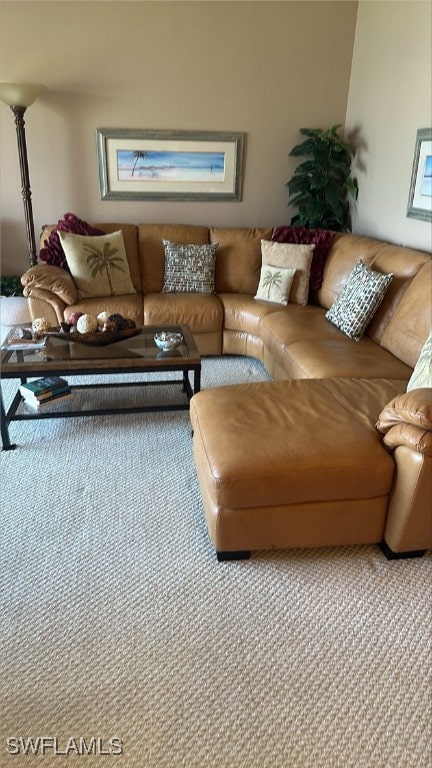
98	264
275	284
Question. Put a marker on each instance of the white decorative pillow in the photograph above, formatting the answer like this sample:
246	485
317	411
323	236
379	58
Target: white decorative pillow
189	268
358	300
421	376
291	256
275	284
98	264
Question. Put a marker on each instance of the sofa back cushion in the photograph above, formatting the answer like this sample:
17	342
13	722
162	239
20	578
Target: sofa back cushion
238	258
152	254
410	324
404	263
344	252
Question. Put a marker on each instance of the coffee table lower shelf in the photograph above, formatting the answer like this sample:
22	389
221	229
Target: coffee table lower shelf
12	412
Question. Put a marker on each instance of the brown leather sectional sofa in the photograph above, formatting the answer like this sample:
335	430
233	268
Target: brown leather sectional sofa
298	461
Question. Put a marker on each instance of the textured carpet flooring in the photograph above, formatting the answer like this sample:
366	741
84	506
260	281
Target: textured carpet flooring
119	623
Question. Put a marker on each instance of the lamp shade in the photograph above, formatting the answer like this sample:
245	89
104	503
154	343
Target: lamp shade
20	94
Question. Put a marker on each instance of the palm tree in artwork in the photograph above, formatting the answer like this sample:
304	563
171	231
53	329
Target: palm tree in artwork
271	280
106	258
138	155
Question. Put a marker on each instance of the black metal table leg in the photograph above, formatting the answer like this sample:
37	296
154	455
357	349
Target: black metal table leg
6	443
197	379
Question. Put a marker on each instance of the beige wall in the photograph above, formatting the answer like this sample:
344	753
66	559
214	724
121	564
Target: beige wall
262	68
389	99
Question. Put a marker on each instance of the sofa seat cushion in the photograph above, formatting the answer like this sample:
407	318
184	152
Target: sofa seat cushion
302	342
202	312
244	313
295	322
129	306
327	358
290	442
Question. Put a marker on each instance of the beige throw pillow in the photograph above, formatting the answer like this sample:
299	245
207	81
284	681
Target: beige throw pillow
275	284
291	256
98	264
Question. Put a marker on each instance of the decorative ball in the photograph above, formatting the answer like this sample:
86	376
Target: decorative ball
40	326
122	323
102	319
109	327
74	317
87	324
117	319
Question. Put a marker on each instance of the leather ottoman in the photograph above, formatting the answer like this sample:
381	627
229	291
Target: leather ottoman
299	463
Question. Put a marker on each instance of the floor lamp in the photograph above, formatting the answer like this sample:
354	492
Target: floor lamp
19	96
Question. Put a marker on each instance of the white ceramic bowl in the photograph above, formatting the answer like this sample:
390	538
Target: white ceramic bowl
167	340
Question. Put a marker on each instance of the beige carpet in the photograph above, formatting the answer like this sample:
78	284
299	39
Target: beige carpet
119	623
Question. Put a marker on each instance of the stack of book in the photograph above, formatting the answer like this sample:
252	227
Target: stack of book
45	391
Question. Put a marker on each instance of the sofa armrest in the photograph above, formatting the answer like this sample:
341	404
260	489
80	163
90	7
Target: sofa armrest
49	279
47	305
406	423
413	407
407	420
417	438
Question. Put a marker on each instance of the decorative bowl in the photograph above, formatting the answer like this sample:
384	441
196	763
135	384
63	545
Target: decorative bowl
96	339
168	340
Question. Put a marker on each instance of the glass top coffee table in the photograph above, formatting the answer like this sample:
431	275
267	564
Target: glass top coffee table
64	358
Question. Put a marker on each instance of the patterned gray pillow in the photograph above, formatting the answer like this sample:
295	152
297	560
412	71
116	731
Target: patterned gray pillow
358	300
189	268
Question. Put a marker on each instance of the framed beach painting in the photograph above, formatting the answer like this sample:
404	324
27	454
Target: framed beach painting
420	195
169	165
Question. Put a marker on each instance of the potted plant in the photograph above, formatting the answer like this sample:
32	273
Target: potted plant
10	285
321	186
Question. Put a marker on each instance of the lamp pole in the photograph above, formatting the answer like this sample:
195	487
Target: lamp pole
25	182
19	96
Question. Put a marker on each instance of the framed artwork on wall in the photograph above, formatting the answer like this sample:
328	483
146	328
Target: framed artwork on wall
420	195
169	165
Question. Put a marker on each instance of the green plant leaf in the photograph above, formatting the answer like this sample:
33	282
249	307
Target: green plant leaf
304	149
306	167
319	187
298	183
352	187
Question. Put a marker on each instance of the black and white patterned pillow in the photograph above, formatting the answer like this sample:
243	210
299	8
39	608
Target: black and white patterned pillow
189	268
358	300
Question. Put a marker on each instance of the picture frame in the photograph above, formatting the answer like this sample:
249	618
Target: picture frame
169	165
420	194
